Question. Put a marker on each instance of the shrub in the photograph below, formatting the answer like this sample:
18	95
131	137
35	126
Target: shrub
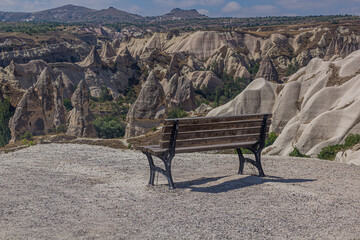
177	113
271	139
27	135
296	153
329	152
105	95
153	129
292	69
61	129
109	127
6	112
29	142
67	104
352	140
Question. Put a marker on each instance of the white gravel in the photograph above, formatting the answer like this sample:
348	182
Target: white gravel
69	191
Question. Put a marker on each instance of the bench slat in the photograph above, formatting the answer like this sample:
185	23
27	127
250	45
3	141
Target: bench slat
213	126
213	133
203	120
212	140
156	150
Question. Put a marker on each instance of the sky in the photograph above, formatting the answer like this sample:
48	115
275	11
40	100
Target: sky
212	8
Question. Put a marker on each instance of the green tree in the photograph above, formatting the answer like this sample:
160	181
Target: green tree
109	127
6	112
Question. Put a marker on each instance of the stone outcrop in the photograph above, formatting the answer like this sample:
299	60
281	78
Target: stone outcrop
267	70
204	79
258	97
62	52
107	51
179	92
319	106
149	109
93	60
81	118
36	110
351	156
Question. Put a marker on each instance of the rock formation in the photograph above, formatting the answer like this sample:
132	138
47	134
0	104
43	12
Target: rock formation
267	70
179	92
319	106
351	156
36	110
204	79
149	109
107	51
258	97
93	60
80	118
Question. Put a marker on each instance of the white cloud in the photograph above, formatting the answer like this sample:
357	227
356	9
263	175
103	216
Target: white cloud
231	7
265	9
306	4
204	12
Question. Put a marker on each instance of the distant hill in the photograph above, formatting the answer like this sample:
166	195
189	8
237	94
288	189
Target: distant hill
179	14
71	13
113	15
67	13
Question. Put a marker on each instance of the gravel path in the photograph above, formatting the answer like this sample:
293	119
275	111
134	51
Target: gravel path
69	191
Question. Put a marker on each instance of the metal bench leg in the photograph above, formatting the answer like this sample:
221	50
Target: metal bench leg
152	168
168	175
258	163
241	160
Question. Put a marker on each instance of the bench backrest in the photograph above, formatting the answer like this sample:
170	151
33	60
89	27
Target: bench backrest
203	131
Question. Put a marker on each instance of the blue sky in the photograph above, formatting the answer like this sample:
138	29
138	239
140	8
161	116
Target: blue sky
213	8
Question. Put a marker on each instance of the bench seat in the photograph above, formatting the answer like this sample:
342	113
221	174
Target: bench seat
158	151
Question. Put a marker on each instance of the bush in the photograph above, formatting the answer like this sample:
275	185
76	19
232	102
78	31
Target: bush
292	69
67	104
105	95
329	152
27	136
177	113
6	112
109	127
296	153
352	140
61	129
271	139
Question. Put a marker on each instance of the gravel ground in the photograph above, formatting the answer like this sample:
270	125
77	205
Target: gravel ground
69	191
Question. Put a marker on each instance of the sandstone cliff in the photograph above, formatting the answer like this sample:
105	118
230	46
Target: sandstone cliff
319	106
149	109
80	118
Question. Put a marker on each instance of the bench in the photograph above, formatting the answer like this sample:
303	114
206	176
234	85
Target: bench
189	135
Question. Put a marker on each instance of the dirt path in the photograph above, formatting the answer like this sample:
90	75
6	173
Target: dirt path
67	191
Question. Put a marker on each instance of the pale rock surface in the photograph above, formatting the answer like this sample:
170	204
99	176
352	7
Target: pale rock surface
267	70
39	110
107	51
258	97
351	156
316	108
93	60
80	117
149	109
204	79
179	92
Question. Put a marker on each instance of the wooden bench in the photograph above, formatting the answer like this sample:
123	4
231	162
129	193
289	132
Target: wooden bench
189	135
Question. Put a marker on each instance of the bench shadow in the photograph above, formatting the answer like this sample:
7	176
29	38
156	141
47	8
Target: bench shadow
234	184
